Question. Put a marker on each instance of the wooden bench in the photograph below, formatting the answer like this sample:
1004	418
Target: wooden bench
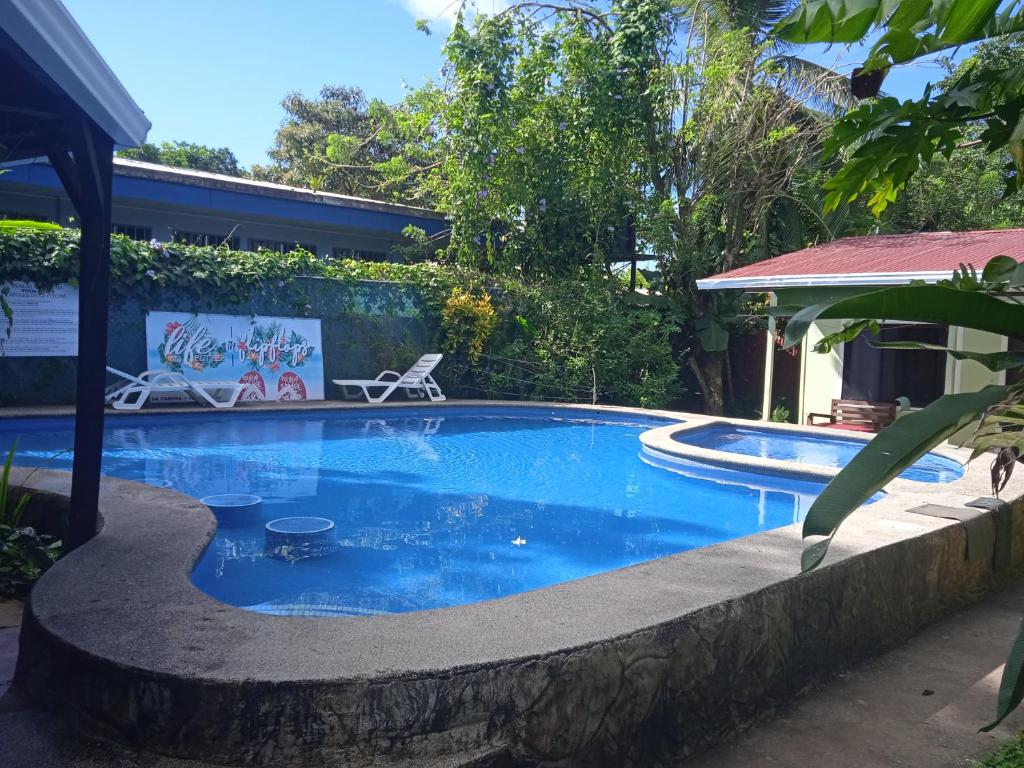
856	415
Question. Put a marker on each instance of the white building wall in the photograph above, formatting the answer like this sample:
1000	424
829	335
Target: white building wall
967	375
821	375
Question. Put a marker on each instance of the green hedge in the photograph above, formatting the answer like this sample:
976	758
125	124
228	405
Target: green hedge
560	339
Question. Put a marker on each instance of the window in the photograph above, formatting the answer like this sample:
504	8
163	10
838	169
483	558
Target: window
281	246
134	232
204	238
358	255
870	373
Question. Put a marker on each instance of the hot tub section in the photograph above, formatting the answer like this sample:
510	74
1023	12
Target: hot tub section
804	447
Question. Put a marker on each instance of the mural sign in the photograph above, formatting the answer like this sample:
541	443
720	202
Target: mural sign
42	323
279	358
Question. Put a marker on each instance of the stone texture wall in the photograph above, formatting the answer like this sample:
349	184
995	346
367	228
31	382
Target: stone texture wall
366	327
647	698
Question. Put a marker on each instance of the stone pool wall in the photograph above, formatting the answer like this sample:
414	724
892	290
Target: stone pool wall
636	667
366	327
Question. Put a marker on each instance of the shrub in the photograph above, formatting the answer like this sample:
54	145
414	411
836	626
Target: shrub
468	321
578	340
25	553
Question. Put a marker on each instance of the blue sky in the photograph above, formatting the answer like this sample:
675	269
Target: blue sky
214	72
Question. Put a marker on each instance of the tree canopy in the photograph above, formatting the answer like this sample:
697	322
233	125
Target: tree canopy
576	135
885	141
342	142
184	154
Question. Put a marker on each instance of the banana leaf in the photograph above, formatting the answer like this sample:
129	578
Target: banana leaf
916	303
885	457
1011	687
994	361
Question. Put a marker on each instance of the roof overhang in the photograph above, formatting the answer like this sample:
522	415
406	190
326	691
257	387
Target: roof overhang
44	34
866	279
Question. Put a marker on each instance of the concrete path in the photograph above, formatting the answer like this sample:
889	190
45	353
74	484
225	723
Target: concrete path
919	705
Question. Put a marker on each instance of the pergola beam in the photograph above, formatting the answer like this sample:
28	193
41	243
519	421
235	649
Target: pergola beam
86	174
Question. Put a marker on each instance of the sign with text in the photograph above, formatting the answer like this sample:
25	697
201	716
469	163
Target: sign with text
279	358
42	323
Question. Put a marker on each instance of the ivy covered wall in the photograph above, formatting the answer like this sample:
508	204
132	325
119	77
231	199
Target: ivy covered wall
568	340
366	327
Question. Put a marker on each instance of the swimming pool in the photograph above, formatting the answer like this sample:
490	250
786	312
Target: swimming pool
807	448
431	507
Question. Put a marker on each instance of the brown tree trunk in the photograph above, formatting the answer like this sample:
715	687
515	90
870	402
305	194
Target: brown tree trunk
708	370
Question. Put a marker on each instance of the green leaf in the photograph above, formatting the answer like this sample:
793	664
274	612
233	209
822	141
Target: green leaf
1011	687
829	21
964	20
712	334
915	303
5	477
886	456
1000	268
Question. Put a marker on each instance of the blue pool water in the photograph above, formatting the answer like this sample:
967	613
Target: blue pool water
431	507
823	450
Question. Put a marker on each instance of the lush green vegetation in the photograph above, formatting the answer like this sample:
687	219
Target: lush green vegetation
342	142
25	553
1010	755
578	338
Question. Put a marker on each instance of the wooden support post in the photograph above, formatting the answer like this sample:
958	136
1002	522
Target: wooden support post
86	175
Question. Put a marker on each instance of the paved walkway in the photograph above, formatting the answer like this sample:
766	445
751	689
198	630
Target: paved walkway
10	625
919	705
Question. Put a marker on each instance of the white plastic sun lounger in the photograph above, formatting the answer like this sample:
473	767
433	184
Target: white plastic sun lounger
135	391
416	382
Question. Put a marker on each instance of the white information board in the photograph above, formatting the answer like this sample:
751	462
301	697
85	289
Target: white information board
42	324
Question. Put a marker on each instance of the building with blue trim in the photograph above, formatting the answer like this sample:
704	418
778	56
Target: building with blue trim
177	204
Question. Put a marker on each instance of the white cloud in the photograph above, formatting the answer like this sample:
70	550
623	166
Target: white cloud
446	10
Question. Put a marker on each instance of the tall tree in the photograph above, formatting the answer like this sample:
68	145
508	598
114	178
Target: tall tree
575	131
342	142
184	154
298	157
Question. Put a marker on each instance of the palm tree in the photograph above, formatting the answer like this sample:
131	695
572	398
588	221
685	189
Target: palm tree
746	116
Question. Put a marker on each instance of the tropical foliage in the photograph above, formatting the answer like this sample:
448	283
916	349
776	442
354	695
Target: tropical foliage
24	552
577	134
887	140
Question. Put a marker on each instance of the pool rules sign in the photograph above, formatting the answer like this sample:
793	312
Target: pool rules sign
38	322
279	358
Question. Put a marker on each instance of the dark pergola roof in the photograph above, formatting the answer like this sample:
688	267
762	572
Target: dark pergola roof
59	100
53	78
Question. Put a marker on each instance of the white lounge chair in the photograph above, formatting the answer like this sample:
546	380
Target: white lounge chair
417	382
132	394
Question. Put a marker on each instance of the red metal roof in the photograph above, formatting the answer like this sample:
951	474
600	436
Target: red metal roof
876	259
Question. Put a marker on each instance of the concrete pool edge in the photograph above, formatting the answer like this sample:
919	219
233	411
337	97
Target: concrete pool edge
686	649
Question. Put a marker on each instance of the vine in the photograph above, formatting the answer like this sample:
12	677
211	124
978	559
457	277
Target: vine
573	338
